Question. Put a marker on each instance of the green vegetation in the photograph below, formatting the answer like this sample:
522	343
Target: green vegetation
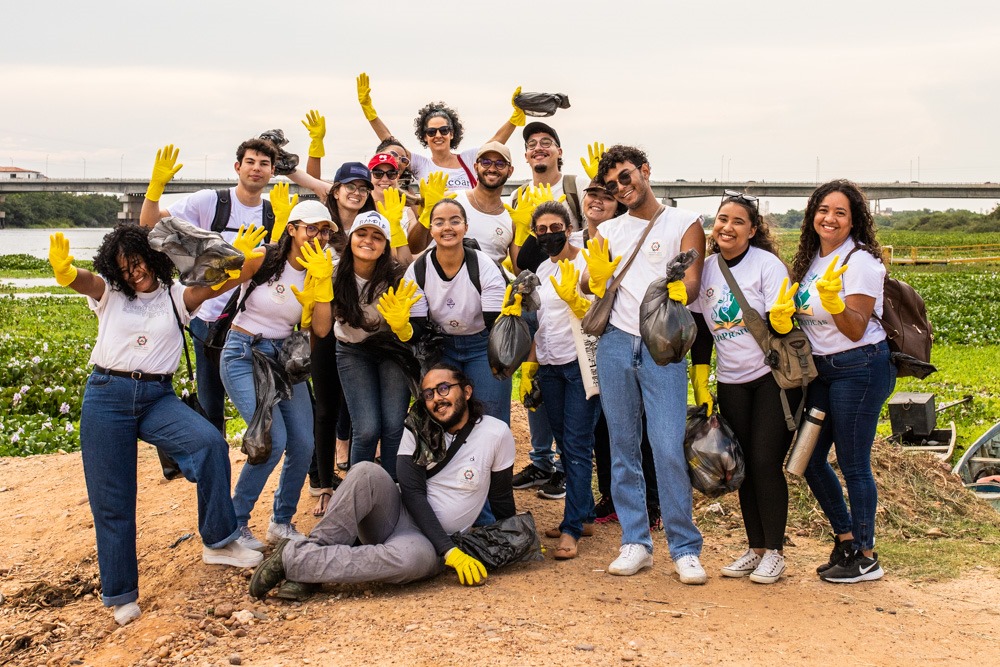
924	220
27	266
59	209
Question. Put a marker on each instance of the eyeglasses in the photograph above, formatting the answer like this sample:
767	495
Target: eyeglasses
401	159
551	229
535	143
442	390
312	231
749	200
445	130
453	222
354	186
487	163
379	174
624	178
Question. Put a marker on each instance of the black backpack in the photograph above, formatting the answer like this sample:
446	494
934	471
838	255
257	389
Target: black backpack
224	209
471	261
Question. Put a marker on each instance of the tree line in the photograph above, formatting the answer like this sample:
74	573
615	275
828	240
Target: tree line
59	209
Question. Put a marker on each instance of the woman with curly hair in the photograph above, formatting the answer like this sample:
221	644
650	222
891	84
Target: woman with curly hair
129	396
840	272
438	128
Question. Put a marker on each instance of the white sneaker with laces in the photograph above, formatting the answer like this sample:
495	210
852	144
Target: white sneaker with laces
771	567
248	541
631	559
283	531
234	554
690	570
743	565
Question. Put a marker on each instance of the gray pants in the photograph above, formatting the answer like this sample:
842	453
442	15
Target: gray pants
366	506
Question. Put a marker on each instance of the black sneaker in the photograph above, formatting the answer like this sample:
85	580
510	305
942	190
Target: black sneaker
605	510
841	551
655	522
555	488
531	476
855	568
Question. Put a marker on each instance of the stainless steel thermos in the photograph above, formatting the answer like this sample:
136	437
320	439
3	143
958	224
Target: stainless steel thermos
805	441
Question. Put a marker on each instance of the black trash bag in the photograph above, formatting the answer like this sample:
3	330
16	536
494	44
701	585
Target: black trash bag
667	326
286	162
541	104
533	399
526	284
428	433
508	346
272	385
714	457
386	345
907	366
429	347
201	256
511	540
294	356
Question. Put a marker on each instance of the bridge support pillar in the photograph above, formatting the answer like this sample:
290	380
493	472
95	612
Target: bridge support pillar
131	207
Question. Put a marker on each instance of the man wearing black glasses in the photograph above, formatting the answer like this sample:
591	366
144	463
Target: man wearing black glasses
458	459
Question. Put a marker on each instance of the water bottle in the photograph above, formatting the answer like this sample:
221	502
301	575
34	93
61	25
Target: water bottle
805	441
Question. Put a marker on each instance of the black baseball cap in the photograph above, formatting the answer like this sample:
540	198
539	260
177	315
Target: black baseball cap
535	127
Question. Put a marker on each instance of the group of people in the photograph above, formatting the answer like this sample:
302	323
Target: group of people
404	252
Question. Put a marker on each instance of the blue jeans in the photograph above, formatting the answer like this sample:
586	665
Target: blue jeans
116	413
378	396
851	388
631	383
572	418
468	353
291	431
541	455
211	392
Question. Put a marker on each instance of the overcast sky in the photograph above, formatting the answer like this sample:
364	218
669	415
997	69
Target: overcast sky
776	90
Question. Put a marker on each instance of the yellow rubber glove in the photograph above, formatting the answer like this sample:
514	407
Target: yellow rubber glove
470	571
699	381
567	290
231	274
517	118
528	370
395	307
511	306
248	240
593	159
676	291
393	209
365	97
318	264
432	190
828	288
543	193
783	308
282	207
165	167
307	299
316	125
599	266
61	260
521	216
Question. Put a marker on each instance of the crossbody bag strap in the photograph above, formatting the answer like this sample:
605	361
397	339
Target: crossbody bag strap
618	279
460	438
187	354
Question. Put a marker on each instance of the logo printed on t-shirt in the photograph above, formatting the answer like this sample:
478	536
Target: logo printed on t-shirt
802	296
450	302
726	313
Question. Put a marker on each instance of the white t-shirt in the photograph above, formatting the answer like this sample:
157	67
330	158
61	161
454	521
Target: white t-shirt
272	309
458	492
759	275
864	275
494	232
455	305
554	343
660	247
458	179
348	334
139	335
199	210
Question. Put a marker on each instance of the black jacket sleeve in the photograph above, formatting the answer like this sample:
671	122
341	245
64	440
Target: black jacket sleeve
413	489
502	493
530	256
490	318
701	351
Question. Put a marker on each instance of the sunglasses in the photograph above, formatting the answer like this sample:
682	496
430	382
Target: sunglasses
313	231
354	186
401	159
733	195
433	131
391	174
624	178
442	390
487	163
535	143
551	229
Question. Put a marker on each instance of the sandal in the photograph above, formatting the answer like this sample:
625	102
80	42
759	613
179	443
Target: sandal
566	548
324	499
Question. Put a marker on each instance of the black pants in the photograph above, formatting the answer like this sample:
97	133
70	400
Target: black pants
328	410
602	457
753	410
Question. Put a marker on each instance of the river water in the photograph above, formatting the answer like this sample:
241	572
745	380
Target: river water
83	242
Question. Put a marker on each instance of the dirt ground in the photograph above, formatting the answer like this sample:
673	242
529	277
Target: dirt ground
568	612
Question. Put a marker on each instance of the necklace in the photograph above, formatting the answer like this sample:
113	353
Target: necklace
480	208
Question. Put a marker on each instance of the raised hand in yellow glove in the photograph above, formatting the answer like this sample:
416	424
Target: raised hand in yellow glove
61	260
567	290
676	291
282	207
521	215
316	125
783	308
543	193
395	307
518	117
470	571
528	371
432	190
593	159
699	382
599	265
307	299
165	167
393	209
828	288
511	306
247	241
365	97
318	264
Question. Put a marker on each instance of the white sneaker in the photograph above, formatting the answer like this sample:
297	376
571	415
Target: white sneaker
690	570
743	565
248	541
631	559
771	567
283	531
234	554
126	613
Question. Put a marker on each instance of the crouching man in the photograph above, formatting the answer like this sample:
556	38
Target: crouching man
405	532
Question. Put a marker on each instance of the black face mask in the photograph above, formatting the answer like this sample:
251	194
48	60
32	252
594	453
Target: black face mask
552	243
